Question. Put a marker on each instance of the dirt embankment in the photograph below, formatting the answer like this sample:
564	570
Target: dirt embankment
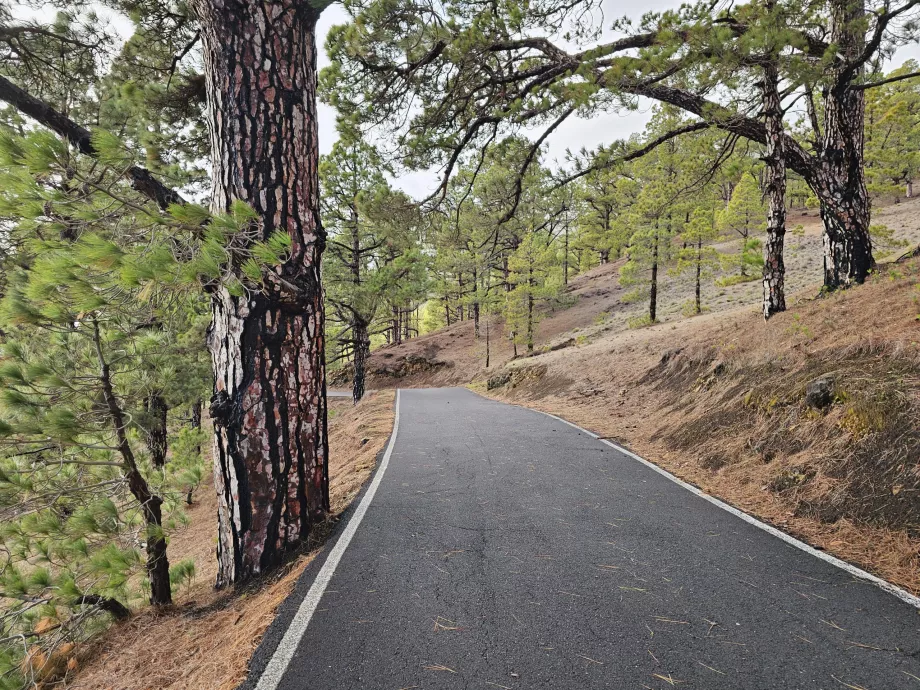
593	305
205	641
808	421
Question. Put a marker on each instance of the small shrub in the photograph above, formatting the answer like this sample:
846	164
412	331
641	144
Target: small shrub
728	281
640	321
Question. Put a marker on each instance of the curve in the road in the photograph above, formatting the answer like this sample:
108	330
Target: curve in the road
503	548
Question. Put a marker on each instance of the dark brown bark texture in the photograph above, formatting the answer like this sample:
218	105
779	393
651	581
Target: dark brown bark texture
653	290
836	173
157	433
362	353
774	270
269	404
841	186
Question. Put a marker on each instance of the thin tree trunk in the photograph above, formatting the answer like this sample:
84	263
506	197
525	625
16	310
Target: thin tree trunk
741	267
530	309
565	257
195	414
269	404
151	504
487	341
362	352
475	306
653	292
699	275
774	270
157	434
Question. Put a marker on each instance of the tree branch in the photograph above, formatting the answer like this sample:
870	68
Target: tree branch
882	82
637	153
142	180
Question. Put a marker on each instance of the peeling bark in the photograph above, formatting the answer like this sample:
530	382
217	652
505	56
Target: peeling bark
269	403
774	270
841	181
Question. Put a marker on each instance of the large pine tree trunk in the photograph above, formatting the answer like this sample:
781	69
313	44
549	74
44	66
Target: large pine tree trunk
774	270
269	404
841	183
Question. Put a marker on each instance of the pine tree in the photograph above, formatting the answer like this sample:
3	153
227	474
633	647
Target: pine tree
697	256
373	258
893	134
744	215
534	282
101	299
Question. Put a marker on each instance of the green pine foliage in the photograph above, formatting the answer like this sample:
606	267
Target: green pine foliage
535	281
744	216
100	289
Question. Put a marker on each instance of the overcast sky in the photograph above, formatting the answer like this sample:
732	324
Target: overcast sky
573	134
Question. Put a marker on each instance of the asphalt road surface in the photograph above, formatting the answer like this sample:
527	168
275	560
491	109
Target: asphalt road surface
506	549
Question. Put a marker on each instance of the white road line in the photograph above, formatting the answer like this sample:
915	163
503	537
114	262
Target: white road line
277	665
901	594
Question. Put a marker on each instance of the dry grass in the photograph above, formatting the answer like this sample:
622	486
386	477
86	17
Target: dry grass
206	640
719	401
593	307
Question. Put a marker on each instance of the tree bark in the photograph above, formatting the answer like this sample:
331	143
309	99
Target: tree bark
841	183
362	352
699	275
653	291
156	434
269	403
530	286
774	270
836	175
475	305
195	414
565	257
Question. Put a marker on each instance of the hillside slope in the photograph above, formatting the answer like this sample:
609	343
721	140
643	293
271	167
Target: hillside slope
720	399
593	306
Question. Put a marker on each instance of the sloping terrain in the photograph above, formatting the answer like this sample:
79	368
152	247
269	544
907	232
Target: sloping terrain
720	399
593	306
204	642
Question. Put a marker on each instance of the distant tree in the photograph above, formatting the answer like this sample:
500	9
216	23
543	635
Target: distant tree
697	257
534	281
893	134
745	216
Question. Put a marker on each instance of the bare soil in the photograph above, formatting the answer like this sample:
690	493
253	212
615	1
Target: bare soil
205	641
593	306
719	399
